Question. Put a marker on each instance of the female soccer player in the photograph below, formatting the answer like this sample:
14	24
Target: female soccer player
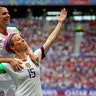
28	80
5	31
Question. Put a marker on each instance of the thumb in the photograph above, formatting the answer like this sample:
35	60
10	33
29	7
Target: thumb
20	61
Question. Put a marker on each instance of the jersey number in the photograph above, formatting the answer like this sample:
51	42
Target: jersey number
32	73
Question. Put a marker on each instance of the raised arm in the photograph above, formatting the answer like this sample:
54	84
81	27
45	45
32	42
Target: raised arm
54	34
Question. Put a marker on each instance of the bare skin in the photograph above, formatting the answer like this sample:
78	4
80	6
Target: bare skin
19	45
4	22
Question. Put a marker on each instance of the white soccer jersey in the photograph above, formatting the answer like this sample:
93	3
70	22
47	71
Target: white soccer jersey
3	52
28	80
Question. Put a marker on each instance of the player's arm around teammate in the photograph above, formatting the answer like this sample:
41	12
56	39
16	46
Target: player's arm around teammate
4	33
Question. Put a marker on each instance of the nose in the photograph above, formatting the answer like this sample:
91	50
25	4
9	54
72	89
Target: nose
22	40
8	15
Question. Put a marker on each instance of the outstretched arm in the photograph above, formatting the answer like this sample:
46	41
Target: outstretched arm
54	34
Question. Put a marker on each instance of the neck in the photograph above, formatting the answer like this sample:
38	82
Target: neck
21	55
3	30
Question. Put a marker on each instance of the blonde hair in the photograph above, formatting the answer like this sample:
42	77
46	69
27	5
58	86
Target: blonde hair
2	7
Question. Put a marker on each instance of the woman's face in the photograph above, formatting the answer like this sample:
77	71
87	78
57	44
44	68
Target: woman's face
19	43
4	17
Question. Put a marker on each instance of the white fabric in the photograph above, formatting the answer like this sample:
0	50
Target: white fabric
3	52
28	80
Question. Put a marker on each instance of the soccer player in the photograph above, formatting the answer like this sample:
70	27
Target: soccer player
28	80
5	31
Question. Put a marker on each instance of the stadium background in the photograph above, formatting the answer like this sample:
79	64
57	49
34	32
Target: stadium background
69	68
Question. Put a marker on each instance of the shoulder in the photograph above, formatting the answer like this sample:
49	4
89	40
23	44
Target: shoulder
40	53
37	51
13	30
6	64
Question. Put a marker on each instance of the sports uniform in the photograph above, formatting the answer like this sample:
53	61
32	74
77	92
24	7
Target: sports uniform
28	80
3	52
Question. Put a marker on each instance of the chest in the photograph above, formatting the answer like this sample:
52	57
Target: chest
30	71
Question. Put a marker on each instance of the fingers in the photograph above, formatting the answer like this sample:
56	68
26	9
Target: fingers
17	67
19	61
64	11
36	61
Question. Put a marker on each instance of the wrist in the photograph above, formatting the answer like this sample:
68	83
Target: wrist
59	21
10	60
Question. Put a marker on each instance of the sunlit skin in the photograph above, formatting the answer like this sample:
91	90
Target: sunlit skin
4	22
19	46
19	43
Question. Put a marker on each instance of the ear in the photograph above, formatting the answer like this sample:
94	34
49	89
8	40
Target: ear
12	47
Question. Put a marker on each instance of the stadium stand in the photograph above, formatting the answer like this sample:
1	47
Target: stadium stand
70	68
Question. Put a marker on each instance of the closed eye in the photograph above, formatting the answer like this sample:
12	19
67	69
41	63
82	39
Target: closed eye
5	13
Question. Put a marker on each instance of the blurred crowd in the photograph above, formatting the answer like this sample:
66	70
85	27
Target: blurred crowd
32	2
47	2
62	68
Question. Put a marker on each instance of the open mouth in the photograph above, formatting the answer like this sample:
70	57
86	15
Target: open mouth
7	20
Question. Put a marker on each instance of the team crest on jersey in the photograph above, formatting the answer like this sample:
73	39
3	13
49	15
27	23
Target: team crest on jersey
28	65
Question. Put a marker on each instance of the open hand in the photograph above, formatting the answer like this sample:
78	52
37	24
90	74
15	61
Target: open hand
62	16
16	65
